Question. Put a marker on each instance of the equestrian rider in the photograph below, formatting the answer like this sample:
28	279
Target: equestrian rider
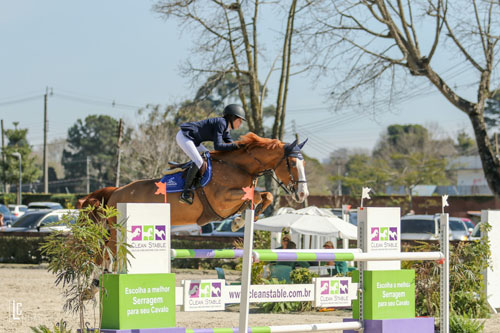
192	134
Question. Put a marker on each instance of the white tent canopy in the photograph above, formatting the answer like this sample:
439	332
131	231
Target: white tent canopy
308	221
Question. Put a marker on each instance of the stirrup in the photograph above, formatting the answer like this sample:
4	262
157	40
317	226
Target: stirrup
186	197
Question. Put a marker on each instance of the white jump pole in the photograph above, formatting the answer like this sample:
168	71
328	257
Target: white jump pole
352	325
246	273
445	275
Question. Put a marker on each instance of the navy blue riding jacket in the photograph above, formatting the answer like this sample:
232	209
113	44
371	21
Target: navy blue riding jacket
211	129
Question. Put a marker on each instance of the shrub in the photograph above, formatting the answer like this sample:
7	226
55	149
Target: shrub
467	262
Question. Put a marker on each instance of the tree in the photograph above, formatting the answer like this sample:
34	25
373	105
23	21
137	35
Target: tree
95	138
380	42
418	169
362	170
17	142
492	110
465	144
152	145
229	43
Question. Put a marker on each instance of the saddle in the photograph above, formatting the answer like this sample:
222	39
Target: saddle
174	176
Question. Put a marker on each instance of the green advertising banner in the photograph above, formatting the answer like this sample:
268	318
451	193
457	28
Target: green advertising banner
133	301
388	294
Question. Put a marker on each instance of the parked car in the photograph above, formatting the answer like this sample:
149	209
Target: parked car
426	227
43	221
224	229
8	217
18	210
209	228
44	205
476	232
353	215
186	230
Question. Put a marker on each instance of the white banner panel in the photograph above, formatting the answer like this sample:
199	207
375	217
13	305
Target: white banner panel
382	234
492	288
334	292
203	295
148	234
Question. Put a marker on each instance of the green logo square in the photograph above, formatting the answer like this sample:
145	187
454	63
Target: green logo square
205	290
335	287
384	234
148	233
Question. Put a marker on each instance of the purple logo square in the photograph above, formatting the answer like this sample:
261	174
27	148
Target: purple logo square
216	289
375	234
344	286
160	232
393	233
194	290
325	287
137	232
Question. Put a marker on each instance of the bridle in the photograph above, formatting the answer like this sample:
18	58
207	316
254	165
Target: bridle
292	186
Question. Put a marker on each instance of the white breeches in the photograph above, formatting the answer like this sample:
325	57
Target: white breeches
187	145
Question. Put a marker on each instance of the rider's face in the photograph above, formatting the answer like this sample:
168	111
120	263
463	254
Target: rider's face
237	123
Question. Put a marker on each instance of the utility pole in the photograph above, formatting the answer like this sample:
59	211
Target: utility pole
339	188
3	161
45	129
118	153
88	175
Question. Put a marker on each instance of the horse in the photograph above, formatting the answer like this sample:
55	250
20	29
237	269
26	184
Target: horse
222	196
232	171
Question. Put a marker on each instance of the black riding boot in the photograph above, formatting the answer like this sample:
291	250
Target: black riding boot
187	195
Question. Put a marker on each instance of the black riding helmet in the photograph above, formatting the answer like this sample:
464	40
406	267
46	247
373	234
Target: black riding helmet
233	111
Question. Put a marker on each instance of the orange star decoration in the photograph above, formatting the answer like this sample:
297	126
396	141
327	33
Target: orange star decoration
249	194
161	189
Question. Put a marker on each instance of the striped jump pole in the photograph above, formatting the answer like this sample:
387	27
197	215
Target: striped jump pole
297	255
353	325
206	254
238	253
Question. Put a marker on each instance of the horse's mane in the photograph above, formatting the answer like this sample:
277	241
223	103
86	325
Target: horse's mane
251	140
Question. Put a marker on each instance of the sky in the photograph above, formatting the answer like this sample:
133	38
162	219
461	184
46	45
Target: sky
92	54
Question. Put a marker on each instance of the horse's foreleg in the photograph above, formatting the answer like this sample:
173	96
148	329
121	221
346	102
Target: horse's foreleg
266	198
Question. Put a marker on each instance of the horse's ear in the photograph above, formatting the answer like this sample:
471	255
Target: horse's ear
303	143
289	146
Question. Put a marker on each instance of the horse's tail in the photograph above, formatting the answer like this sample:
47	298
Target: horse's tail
96	199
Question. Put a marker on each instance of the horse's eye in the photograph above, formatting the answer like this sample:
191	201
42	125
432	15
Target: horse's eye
293	164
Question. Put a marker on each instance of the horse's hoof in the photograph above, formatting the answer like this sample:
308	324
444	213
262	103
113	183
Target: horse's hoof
237	224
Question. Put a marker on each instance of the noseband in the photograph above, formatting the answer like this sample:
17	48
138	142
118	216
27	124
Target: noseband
293	184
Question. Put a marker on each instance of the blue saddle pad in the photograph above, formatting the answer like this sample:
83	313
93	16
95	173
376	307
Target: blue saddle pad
175	182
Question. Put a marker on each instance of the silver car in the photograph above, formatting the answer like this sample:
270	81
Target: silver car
426	227
43	221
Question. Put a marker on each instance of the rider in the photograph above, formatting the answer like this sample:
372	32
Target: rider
192	134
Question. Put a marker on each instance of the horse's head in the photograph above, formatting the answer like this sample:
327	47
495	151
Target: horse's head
291	171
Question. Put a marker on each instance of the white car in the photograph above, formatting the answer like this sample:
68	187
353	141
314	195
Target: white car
185	230
43	221
18	210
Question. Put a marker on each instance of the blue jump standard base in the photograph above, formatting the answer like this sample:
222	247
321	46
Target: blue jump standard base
407	325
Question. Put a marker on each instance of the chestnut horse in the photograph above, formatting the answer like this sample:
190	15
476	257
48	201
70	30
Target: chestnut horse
232	171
